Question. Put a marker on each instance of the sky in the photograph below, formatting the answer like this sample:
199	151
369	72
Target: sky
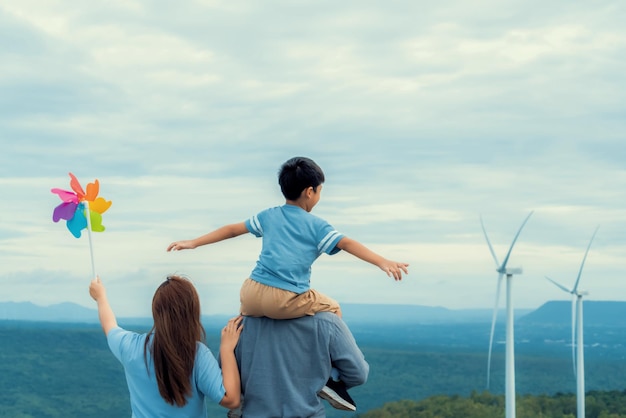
424	116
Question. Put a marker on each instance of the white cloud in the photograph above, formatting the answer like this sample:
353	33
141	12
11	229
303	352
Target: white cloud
423	116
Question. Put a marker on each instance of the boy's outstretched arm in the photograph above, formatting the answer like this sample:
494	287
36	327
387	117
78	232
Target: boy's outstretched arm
392	268
105	313
220	234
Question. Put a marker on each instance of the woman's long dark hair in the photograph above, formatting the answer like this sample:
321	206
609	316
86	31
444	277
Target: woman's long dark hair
176	330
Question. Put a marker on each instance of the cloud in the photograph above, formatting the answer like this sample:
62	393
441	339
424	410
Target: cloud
423	116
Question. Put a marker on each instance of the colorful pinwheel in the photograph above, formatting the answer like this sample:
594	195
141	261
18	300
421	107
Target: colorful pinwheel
72	209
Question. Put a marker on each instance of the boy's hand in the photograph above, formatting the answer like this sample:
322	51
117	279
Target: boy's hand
394	269
181	245
96	289
231	333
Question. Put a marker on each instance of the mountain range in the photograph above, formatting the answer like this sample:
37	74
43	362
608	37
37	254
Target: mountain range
596	313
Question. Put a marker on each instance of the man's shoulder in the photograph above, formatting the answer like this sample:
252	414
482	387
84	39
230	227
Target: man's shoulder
326	317
325	322
320	317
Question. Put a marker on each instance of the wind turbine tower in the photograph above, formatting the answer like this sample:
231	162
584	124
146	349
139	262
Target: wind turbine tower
502	271
578	356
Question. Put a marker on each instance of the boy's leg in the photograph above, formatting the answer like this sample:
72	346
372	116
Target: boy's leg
260	300
250	298
336	393
310	303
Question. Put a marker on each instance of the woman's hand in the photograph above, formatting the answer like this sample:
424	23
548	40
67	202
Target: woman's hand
231	333
105	313
230	371
96	289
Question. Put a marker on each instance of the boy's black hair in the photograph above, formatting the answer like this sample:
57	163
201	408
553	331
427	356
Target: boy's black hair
298	173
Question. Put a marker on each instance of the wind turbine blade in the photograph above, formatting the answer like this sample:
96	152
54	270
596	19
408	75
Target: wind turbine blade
493	326
560	286
506	259
584	258
493	254
574	333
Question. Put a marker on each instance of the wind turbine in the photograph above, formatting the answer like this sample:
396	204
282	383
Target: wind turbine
578	360
510	349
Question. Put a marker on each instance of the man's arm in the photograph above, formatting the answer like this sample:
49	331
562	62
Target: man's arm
346	356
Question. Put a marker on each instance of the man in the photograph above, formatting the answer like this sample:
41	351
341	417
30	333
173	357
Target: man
284	364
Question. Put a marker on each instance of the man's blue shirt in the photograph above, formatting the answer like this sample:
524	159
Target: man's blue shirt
285	363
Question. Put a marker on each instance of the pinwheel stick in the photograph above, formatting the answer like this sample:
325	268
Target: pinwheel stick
88	216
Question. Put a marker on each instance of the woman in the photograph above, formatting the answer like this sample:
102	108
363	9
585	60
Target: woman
169	370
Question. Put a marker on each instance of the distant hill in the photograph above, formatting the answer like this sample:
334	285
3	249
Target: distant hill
352	313
418	314
595	313
61	312
551	313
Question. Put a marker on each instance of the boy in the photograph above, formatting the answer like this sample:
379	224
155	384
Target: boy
293	238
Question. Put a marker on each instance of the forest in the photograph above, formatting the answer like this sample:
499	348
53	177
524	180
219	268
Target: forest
66	370
607	404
